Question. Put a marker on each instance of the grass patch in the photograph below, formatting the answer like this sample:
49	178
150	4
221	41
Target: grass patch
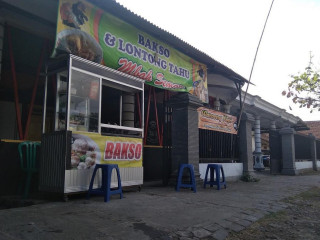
275	216
311	194
308	199
300	220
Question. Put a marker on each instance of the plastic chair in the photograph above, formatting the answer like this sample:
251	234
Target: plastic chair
105	188
28	161
215	168
192	181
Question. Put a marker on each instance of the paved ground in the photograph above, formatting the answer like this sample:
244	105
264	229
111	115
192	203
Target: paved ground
156	212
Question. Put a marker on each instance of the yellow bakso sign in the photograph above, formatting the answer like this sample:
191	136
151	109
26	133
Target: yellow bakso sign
88	149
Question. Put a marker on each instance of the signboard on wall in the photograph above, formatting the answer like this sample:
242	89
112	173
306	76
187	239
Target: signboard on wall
91	33
88	149
216	121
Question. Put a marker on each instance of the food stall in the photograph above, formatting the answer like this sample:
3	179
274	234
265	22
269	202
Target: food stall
98	118
99	99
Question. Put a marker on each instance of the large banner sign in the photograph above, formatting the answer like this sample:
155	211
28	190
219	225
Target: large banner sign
216	121
88	149
89	32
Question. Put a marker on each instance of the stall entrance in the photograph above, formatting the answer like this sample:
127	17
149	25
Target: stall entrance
157	138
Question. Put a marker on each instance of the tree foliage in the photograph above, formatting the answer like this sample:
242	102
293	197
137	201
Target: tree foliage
304	88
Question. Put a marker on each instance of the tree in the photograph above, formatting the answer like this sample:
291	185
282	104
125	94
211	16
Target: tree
304	88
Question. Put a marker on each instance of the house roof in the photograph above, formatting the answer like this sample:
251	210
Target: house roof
314	128
268	112
141	23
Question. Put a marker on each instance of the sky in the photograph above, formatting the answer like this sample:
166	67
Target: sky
229	32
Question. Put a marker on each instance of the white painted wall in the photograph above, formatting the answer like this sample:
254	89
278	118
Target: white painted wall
232	171
79	180
304	165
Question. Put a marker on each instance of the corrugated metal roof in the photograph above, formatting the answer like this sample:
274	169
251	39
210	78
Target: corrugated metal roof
143	24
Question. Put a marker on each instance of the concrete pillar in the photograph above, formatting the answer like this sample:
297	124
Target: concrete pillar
258	162
226	108
288	151
273	125
185	132
245	143
275	149
128	109
216	104
313	149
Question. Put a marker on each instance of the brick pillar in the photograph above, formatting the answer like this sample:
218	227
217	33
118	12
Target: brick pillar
245	145
288	151
185	132
313	149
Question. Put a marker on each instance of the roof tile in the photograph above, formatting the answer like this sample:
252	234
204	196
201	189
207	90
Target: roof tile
314	128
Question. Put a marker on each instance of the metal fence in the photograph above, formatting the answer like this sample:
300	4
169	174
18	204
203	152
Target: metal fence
218	146
302	147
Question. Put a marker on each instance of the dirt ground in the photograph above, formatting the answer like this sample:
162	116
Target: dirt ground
301	220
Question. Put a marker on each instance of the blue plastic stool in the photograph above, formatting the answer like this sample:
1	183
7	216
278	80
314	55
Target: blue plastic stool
215	168
192	183
105	188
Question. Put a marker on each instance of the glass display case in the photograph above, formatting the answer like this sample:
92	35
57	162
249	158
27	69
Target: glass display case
98	119
88	101
61	101
83	103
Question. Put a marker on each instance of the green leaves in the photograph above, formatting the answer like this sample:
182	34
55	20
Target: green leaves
304	88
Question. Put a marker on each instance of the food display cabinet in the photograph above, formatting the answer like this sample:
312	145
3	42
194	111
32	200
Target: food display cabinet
97	118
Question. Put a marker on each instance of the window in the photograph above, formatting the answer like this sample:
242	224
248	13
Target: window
110	106
119	109
84	102
94	98
61	101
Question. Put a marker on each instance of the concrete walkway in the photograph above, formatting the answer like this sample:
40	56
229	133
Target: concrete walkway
156	212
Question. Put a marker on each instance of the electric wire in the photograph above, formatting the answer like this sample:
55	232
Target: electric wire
254	60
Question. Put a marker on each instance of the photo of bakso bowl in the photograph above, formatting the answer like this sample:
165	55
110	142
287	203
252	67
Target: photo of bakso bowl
78	43
85	153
